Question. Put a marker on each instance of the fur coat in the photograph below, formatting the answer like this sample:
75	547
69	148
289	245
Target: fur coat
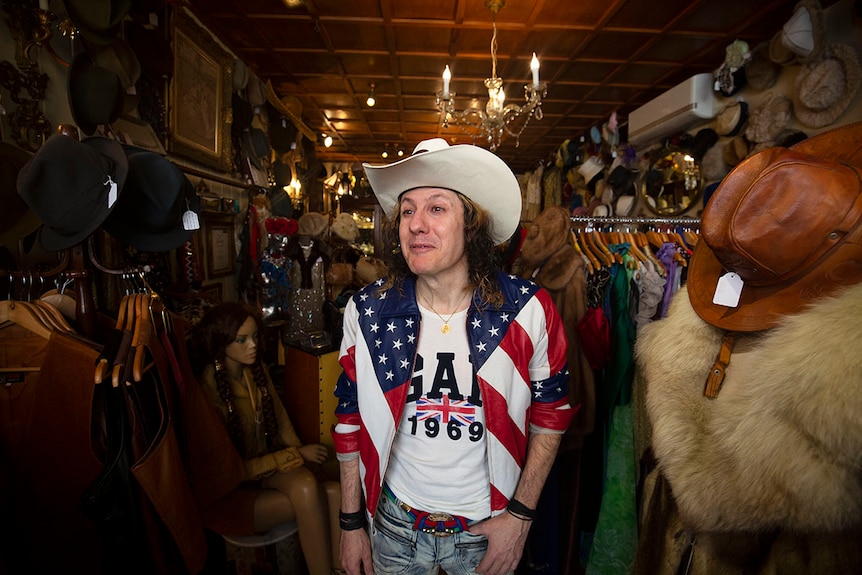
781	445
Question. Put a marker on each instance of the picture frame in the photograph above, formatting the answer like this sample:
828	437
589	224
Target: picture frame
220	246
200	96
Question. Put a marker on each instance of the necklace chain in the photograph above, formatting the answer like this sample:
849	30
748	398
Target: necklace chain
445	327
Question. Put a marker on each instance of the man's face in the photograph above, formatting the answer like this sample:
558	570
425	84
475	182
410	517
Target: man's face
431	231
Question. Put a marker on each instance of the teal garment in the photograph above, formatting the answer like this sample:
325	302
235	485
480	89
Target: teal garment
616	536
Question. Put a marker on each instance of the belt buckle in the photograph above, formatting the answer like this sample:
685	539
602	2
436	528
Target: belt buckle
435	518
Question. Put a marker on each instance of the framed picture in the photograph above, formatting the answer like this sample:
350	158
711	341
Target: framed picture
220	247
200	96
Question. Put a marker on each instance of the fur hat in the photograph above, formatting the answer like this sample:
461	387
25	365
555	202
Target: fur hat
545	235
469	170
825	88
73	186
345	227
313	224
765	203
17	220
713	167
769	119
369	269
760	71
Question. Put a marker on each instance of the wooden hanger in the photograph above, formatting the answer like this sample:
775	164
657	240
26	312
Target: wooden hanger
23	314
587	262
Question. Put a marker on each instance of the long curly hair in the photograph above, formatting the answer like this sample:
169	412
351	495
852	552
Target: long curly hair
483	259
216	330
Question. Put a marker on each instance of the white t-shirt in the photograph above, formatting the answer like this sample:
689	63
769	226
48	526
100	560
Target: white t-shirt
439	460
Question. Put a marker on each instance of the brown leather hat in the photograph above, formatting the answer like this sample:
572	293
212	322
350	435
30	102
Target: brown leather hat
788	221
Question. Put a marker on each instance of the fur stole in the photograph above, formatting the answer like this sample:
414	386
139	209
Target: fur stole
781	445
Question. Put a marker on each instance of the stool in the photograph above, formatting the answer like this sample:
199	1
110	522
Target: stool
276	551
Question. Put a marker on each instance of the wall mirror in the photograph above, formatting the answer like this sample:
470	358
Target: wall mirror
673	182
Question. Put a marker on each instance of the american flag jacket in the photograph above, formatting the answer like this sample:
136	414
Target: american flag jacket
518	352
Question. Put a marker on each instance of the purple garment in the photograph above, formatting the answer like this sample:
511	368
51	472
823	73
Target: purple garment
666	254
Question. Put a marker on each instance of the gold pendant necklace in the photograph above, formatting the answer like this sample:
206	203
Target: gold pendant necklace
445	327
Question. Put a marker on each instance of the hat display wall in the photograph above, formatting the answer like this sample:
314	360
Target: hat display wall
73	186
149	215
469	170
98	20
345	227
789	248
825	88
96	94
17	220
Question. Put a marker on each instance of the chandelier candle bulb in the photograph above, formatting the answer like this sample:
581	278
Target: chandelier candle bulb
534	66
447	76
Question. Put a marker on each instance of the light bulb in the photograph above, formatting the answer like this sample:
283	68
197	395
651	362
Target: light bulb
327	141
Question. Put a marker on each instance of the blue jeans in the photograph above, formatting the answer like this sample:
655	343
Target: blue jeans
399	550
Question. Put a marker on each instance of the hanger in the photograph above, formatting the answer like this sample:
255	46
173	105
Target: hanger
23	314
587	262
143	332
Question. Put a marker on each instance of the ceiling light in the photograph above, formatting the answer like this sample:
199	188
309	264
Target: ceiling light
370	101
385	153
400	151
493	123
327	140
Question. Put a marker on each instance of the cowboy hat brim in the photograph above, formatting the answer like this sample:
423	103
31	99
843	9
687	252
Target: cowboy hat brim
469	170
762	304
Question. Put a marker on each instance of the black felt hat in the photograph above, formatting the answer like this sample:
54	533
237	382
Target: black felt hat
98	20
17	220
149	216
73	186
96	94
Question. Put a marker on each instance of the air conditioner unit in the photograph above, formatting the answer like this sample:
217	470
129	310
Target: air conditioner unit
678	109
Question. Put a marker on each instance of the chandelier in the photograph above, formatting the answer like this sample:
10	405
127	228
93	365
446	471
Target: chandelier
498	118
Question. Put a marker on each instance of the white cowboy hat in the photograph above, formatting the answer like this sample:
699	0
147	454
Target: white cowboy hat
470	170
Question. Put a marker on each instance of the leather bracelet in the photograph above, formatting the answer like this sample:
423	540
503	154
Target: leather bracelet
520	511
351	521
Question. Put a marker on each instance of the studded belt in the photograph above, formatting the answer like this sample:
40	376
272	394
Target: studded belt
434	523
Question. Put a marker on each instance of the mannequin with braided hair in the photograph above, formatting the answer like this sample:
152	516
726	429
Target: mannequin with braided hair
277	463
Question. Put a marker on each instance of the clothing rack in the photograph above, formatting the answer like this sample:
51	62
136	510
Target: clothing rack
637	220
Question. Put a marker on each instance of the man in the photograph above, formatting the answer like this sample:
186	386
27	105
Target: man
454	393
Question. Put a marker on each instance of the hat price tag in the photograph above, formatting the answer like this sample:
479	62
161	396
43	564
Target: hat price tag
190	219
728	290
112	193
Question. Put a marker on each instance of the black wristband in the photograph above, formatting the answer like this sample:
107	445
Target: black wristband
351	521
519	510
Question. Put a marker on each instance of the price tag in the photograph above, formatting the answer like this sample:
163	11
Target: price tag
728	290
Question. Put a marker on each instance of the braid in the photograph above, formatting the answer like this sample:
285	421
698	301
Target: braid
233	425
273	442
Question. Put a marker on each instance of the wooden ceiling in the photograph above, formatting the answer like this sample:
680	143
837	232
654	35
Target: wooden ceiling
597	57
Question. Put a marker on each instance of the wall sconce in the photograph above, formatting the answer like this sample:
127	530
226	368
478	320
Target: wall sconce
370	101
29	26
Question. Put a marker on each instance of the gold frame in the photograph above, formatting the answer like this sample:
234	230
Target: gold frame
220	245
200	96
